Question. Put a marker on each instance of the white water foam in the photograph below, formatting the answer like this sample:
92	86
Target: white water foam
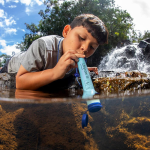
127	58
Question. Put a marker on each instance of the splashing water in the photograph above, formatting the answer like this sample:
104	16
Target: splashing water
127	58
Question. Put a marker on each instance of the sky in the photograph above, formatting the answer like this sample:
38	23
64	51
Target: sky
13	16
139	11
15	13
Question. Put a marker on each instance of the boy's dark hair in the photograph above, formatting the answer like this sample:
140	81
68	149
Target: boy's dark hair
94	25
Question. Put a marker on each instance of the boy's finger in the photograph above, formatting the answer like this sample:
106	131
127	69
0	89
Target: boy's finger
71	63
76	53
71	51
80	55
71	56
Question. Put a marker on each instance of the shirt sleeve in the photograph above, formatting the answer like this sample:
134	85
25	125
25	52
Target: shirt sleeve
33	60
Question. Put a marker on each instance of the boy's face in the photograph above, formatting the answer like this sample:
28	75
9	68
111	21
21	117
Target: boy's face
80	40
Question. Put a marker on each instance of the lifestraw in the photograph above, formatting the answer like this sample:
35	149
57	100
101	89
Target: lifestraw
85	77
88	90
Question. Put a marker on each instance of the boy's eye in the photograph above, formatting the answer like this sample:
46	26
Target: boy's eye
92	47
81	38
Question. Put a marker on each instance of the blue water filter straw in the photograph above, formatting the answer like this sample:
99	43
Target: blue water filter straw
88	91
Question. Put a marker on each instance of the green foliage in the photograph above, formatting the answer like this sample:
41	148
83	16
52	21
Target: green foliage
54	18
118	22
138	36
28	39
144	36
56	15
3	59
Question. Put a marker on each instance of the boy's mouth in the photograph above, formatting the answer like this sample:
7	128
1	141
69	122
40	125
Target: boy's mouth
80	52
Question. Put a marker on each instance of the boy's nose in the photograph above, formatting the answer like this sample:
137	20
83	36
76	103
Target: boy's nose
84	48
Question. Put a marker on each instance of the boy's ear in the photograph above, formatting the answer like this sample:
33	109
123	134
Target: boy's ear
66	30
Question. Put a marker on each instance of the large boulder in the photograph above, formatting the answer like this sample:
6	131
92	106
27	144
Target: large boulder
145	45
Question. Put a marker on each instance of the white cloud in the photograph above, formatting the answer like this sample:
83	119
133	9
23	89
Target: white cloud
39	2
29	5
26	2
8	49
12	6
15	1
21	29
10	21
139	11
10	31
1	24
28	10
4	20
3	43
2	2
2	13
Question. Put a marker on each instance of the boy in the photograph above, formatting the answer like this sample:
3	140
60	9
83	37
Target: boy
52	57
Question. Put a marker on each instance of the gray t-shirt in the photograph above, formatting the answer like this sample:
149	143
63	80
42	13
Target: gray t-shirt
41	55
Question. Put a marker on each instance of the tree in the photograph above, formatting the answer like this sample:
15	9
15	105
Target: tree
54	18
138	36
28	39
57	15
144	36
118	22
3	59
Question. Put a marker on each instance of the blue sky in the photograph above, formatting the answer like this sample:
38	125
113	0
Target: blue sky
13	16
15	13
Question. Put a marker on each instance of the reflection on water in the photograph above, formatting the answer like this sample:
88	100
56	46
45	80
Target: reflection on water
51	122
15	94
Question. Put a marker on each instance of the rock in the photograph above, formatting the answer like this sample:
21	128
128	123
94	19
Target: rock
145	45
123	60
8	80
122	82
106	73
130	51
123	43
54	126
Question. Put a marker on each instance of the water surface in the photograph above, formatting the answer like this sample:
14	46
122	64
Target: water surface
49	121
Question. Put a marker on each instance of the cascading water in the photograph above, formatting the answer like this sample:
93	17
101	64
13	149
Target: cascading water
127	58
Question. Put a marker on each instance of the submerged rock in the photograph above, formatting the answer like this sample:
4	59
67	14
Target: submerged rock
54	126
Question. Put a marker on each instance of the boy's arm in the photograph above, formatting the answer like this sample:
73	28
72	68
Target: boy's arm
34	80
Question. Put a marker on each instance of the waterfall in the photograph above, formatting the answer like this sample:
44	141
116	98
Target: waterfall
127	58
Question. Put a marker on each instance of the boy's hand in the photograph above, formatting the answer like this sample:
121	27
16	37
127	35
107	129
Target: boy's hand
94	69
67	61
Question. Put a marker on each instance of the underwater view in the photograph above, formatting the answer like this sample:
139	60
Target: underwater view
43	121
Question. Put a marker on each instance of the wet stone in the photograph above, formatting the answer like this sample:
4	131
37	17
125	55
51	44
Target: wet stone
122	82
8	80
110	81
